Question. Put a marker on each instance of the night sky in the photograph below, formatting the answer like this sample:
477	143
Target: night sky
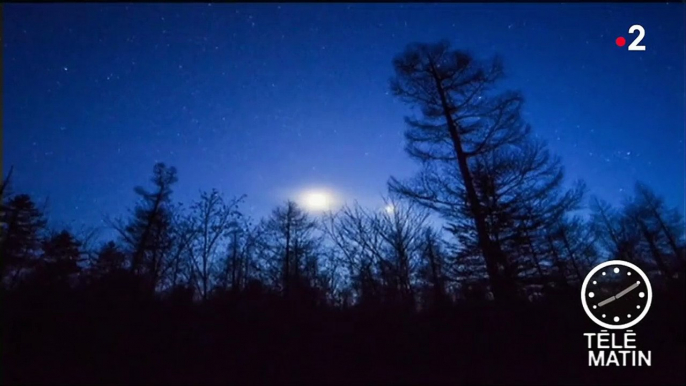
267	100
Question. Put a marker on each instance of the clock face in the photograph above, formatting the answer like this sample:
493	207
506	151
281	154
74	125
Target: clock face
616	294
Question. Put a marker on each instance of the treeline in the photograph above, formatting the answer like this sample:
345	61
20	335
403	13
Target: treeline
514	234
354	256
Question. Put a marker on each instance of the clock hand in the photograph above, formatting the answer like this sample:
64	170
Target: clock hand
606	301
626	291
619	295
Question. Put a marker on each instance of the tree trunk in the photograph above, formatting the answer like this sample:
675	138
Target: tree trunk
502	291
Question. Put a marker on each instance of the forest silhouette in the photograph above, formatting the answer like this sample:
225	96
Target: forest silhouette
202	294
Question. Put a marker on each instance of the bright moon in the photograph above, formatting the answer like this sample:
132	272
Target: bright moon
317	200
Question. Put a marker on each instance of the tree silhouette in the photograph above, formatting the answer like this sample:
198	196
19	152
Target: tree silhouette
212	221
22	225
613	231
109	259
236	267
148	235
667	223
4	186
656	229
572	249
292	247
60	259
460	120
481	170
381	250
433	271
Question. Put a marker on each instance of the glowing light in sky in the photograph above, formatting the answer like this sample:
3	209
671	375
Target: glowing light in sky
317	200
389	209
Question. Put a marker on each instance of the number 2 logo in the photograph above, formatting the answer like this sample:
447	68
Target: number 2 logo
634	46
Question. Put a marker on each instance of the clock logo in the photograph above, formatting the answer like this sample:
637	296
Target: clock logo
616	294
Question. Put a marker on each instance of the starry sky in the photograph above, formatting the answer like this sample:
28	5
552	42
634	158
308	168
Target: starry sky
270	99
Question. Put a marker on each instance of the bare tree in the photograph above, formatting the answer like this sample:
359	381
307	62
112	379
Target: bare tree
572	249
668	223
521	196
617	234
381	249
148	234
213	220
236	266
23	225
462	117
358	249
291	241
433	270
661	230
179	270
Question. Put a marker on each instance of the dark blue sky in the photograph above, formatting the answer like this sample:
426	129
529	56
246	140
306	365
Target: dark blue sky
270	99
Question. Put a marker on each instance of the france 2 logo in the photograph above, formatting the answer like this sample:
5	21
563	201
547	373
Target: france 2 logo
634	46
